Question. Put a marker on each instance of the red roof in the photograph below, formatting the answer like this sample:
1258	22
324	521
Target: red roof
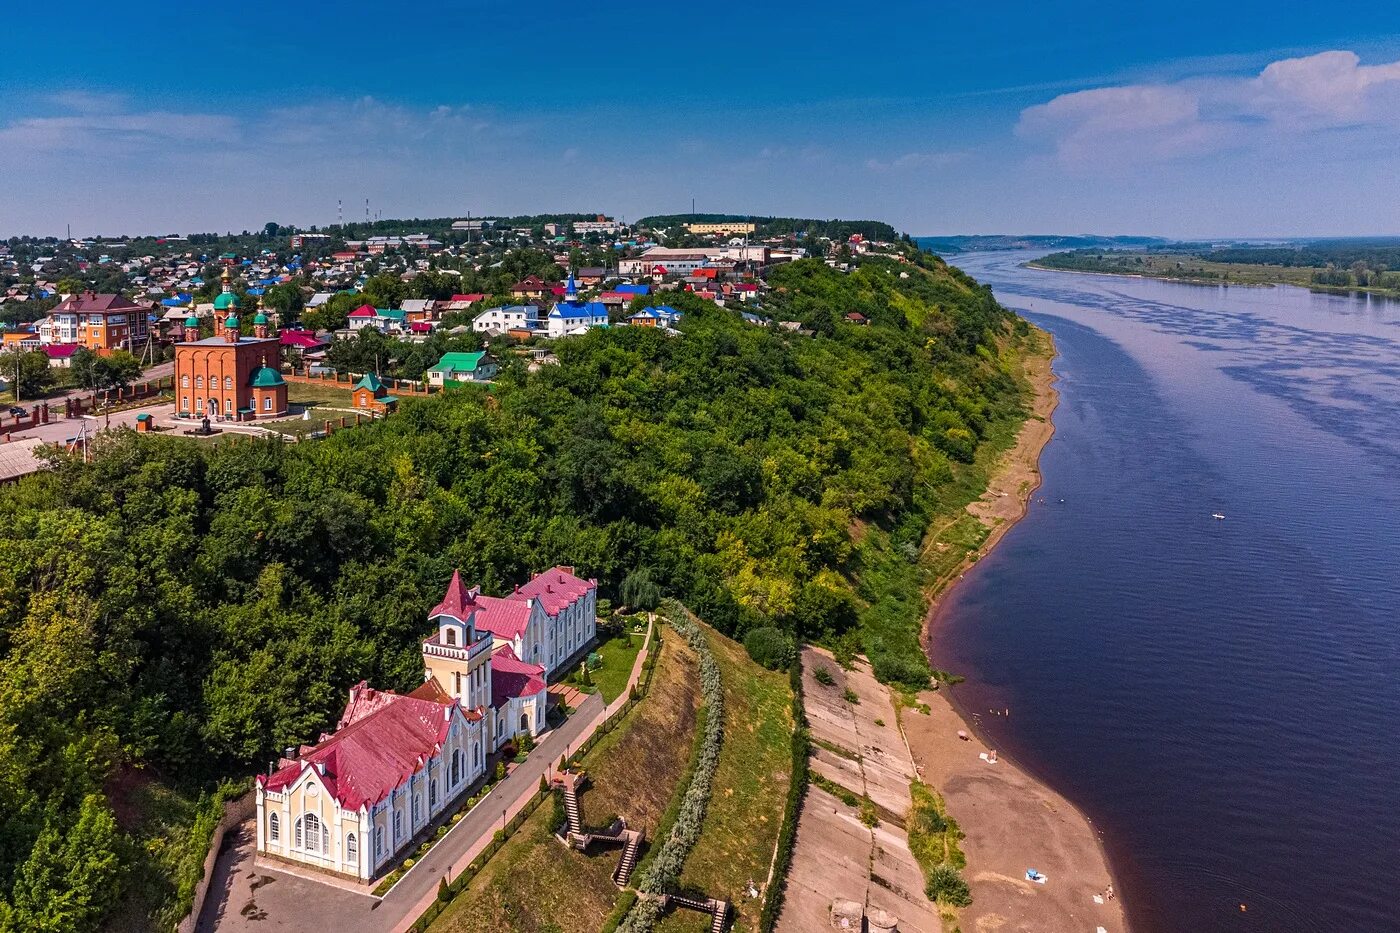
61	351
300	338
364	311
90	302
382	740
421	327
556	589
505	618
474	296
459	603
512	677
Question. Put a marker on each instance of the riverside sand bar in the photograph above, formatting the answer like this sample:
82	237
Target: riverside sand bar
1013	821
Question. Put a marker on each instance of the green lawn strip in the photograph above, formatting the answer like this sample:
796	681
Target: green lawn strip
933	841
751	783
618	654
534	883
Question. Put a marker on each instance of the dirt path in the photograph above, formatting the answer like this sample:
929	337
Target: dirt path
1012	821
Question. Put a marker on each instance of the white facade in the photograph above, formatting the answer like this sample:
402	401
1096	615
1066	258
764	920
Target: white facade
500	320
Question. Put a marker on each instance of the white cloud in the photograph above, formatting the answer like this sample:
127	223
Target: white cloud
1152	123
912	161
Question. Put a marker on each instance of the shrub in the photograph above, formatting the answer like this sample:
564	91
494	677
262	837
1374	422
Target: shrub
770	648
444	892
850	697
500	770
822	675
946	885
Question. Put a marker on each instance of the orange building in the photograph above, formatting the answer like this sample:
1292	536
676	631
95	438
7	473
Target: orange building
229	377
102	323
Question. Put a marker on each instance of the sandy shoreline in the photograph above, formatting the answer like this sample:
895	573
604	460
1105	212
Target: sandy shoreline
1012	820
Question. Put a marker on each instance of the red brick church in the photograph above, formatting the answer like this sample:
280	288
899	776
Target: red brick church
229	377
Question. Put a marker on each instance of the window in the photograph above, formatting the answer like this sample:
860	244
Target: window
476	755
272	827
184	382
267	403
315	840
457	683
398	824
456	766
524	722
199	382
352	849
378	842
451	636
298	834
184	403
228	382
432	792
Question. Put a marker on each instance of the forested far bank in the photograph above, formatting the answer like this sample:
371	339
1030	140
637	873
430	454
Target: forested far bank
183	611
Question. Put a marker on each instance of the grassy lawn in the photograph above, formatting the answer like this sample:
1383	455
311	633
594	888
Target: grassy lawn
618	654
331	394
535	885
751	785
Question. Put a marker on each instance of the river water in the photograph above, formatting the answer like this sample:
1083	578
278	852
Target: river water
1221	697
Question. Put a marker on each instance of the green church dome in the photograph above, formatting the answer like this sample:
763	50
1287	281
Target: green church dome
260	318
192	321
266	378
231	322
225	301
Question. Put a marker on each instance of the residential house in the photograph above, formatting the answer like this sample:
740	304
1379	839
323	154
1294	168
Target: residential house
463	367
500	320
101	323
532	286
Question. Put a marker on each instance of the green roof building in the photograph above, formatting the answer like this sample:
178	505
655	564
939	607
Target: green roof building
463	367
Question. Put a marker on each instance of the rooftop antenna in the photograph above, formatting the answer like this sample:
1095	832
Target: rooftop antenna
366	210
339	213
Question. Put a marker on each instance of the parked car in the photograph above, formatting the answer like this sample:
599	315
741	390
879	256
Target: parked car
19	412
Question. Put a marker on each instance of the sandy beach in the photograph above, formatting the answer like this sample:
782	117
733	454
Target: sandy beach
1013	821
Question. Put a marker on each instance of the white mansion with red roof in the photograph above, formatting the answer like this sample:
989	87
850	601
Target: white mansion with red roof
353	802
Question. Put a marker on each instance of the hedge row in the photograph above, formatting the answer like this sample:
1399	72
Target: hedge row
797	793
459	884
665	870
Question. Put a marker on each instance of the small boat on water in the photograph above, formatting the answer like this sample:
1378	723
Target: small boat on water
1218	516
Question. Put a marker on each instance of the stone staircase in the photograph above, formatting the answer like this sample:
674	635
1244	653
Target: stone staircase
628	862
717	909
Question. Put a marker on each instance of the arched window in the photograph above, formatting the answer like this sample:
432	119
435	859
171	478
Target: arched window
273	827
199	382
378	843
314	838
298	834
184	382
267	403
456	766
228	382
432	792
476	755
451	635
524	722
416	798
398	824
352	849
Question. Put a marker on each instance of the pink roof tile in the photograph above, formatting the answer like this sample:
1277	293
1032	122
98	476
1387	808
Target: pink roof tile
383	739
363	311
504	618
512	677
459	602
556	589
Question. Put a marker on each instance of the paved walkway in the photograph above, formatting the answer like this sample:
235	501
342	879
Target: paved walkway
248	897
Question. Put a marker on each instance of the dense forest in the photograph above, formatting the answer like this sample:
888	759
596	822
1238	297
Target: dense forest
174	613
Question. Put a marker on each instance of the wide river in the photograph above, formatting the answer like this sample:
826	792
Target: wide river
1221	697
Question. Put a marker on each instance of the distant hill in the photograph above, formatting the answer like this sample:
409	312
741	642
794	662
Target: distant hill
967	244
780	226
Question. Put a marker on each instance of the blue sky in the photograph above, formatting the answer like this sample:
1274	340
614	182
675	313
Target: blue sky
1193	119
